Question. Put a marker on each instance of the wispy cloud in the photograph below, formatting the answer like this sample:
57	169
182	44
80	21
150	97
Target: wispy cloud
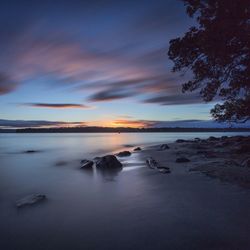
36	123
127	60
58	105
174	99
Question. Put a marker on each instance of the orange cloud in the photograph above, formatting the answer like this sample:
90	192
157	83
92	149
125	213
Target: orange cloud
132	123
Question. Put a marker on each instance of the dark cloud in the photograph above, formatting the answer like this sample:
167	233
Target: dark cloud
35	123
175	99
109	95
58	105
6	84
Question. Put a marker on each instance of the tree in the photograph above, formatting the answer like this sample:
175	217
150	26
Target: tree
217	52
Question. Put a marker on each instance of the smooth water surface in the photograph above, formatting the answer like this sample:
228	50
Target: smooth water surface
132	209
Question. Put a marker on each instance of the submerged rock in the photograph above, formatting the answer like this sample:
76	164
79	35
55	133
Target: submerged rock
31	151
87	164
163	147
108	162
164	170
182	159
123	154
30	200
137	149
152	163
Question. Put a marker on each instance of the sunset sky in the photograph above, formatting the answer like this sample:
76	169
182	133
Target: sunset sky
100	63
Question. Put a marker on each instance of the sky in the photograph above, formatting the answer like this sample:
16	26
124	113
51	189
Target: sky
94	63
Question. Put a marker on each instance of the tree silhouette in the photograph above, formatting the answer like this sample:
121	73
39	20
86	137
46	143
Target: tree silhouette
217	51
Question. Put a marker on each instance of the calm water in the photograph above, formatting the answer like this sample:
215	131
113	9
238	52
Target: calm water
132	209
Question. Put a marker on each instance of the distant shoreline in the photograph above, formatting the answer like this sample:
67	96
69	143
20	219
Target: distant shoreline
121	130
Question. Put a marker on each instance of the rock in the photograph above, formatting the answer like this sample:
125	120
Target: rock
108	162
224	137
212	138
246	163
152	163
30	200
87	164
137	149
164	170
123	154
31	151
182	159
164	147
180	141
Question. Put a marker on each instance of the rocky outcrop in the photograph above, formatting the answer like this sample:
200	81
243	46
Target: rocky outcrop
123	154
30	200
108	162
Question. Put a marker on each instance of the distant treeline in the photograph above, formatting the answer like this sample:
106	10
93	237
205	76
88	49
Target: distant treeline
120	130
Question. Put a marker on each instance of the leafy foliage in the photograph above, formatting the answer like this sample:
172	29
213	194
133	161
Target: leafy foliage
217	52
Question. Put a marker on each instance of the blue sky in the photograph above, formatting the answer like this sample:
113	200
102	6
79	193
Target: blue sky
99	63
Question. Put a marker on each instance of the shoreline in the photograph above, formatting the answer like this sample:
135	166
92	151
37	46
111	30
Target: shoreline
224	158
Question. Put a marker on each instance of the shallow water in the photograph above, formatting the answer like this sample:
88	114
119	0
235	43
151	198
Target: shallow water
132	209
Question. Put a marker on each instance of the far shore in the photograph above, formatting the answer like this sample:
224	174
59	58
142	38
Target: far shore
225	158
120	130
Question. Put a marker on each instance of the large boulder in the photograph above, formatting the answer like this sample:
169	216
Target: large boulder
108	162
164	170
123	154
30	200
